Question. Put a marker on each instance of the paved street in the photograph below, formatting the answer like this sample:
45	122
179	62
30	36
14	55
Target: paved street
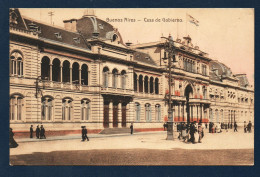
226	148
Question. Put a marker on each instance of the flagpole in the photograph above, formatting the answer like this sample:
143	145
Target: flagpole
186	23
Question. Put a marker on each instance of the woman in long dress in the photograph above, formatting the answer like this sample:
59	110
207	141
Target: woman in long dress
12	142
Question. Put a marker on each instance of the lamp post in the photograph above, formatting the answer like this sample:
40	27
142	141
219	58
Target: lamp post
169	48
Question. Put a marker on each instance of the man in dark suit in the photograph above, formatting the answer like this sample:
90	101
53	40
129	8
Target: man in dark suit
42	133
235	127
85	133
38	132
82	133
31	131
131	128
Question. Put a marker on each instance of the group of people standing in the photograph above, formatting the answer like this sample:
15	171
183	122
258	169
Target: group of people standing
188	132
247	127
40	132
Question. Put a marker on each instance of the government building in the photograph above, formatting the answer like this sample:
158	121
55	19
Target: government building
85	75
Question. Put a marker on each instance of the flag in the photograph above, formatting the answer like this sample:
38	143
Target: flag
192	20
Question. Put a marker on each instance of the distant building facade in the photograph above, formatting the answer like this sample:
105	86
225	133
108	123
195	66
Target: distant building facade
84	74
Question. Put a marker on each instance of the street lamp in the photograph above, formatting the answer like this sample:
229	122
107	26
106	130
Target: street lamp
37	87
169	48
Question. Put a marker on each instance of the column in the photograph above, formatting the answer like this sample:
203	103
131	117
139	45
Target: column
148	85
70	75
119	115
179	112
79	77
111	114
143	86
191	118
61	73
137	85
184	112
50	72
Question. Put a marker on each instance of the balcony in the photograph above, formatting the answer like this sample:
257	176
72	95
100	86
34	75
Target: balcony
148	95
116	91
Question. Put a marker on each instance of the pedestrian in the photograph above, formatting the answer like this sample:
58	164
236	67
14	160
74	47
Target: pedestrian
164	126
184	132
31	131
206	125
12	142
131	128
245	127
201	133
38	132
192	132
210	127
85	132
235	127
42	133
249	127
231	125
82	133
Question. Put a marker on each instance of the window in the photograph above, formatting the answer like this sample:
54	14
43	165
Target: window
156	86
158	112
16	64
210	115
47	108
123	79
137	111
204	70
84	74
148	114
67	109
217	118
16	103
114	79
85	109
105	77
45	68
204	90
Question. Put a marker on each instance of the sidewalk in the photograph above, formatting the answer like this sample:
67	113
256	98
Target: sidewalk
78	136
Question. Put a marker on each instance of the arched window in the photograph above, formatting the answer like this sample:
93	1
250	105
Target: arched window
75	73
66	71
47	108
114	79
105	77
135	82
151	85
123	79
137	111
146	84
16	104
85	109
222	115
45	68
204	90
210	115
148	112
156	86
56	70
67	109
16	64
140	83
84	74
158	112
217	118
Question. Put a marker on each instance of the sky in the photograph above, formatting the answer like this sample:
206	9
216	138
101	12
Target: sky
227	35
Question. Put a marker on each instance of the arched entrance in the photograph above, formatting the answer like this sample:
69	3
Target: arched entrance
188	94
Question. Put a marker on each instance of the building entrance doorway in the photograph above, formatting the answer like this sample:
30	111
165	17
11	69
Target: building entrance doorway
115	115
123	114
106	115
188	94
